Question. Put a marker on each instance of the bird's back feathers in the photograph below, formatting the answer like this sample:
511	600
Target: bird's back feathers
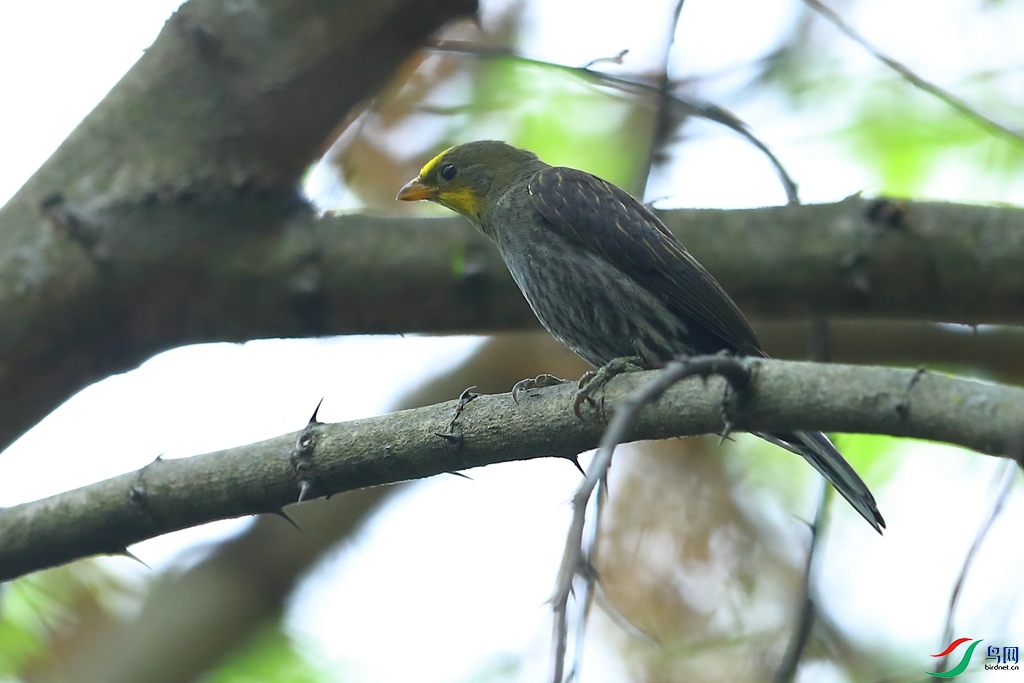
605	220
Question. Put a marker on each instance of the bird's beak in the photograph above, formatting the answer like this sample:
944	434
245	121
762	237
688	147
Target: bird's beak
415	190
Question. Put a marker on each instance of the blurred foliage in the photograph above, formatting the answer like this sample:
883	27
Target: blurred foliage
555	112
904	135
45	615
757	464
269	657
874	456
564	117
702	574
498	669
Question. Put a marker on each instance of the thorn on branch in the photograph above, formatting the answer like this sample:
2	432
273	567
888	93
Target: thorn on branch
726	434
304	489
452	439
284	515
313	418
124	552
575	460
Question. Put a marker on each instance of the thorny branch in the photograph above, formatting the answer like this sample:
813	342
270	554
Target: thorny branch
170	494
575	559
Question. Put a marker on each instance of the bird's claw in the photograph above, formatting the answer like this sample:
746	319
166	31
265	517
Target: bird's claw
538	382
583	395
594	381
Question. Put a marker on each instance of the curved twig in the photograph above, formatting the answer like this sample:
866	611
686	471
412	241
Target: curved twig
931	88
705	110
574	558
1007	477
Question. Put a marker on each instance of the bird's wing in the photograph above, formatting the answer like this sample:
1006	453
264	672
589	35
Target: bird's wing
607	221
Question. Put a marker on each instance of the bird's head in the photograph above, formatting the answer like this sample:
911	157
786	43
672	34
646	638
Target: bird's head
469	178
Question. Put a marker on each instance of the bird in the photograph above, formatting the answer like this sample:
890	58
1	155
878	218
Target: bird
605	276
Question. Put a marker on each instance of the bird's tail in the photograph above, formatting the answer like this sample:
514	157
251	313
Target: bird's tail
823	456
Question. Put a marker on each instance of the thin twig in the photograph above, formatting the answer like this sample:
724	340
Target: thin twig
574	562
662	117
808	612
1006	476
929	87
704	110
620	619
590	579
819	352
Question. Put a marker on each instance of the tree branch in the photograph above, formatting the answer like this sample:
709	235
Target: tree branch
193	271
259	478
199	148
992	350
156	225
251	575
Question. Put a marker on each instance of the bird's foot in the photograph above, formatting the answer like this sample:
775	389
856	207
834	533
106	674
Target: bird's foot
538	382
595	380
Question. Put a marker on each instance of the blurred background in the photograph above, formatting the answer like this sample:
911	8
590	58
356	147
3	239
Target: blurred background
703	550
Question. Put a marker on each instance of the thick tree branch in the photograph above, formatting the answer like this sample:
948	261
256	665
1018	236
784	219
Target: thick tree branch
199	148
996	351
193	271
263	477
170	216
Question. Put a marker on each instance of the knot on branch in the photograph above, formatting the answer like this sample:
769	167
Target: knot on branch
65	220
302	455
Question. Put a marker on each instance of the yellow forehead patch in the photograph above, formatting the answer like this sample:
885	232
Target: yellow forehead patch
429	166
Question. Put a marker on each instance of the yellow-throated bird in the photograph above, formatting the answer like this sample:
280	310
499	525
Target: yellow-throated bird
604	275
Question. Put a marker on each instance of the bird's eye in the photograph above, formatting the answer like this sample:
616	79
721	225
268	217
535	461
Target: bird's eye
448	171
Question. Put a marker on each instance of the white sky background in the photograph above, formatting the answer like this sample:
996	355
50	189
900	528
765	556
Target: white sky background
459	571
